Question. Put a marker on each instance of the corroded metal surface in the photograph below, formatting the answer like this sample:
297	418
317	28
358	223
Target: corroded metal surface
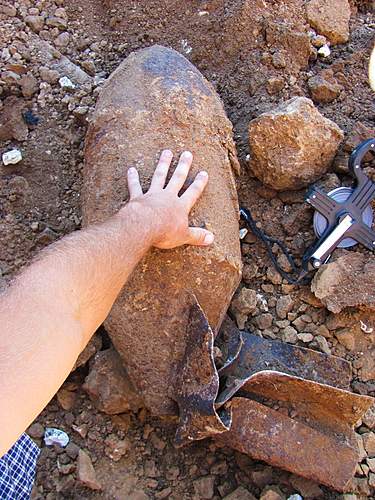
259	354
327	408
266	434
291	408
198	384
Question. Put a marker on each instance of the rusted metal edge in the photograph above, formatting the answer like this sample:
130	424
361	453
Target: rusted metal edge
268	435
197	384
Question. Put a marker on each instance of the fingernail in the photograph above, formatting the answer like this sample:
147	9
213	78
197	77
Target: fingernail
203	173
132	170
208	239
187	154
167	152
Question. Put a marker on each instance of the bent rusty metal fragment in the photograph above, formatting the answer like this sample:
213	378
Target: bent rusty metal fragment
315	423
198	384
258	354
266	434
326	408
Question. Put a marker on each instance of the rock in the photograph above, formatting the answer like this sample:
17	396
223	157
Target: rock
360	132
62	40
369	419
284	305
307	488
47	56
57	22
322	344
8	10
323	90
371	464
292	145
264	321
116	448
330	19
12	157
243	304
29	85
36	431
274	85
72	450
108	384
272	493
86	472
366	365
346	337
289	334
12	124
148	321
305	337
204	487
36	23
278	59
294	44
66	398
240	493
346	282
369	443
66	83
249	272
49	75
94	345
318	41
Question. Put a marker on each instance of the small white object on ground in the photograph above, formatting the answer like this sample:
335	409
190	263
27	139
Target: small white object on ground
55	436
12	157
243	233
295	497
365	328
66	83
324	51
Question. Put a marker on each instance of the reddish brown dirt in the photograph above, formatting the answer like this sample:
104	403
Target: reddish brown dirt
232	43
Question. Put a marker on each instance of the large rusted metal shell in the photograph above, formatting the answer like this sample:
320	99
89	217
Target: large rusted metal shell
157	99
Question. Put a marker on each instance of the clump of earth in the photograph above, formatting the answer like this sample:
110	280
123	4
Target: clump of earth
280	70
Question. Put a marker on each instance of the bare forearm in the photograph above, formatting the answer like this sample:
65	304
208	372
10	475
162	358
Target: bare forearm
52	309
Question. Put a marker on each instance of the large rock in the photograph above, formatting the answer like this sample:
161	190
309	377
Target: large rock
108	385
157	99
346	282
292	145
330	19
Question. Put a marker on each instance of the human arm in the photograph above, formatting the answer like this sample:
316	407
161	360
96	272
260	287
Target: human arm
51	310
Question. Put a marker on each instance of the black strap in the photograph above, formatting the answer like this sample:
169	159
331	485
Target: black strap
268	241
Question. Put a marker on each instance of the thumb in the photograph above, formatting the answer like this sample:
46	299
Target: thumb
198	236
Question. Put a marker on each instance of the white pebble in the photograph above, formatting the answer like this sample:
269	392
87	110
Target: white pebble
12	157
324	51
66	83
295	497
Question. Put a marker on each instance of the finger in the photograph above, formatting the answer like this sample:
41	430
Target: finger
134	185
161	171
199	237
179	175
194	191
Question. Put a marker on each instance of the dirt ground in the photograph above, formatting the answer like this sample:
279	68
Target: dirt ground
238	46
